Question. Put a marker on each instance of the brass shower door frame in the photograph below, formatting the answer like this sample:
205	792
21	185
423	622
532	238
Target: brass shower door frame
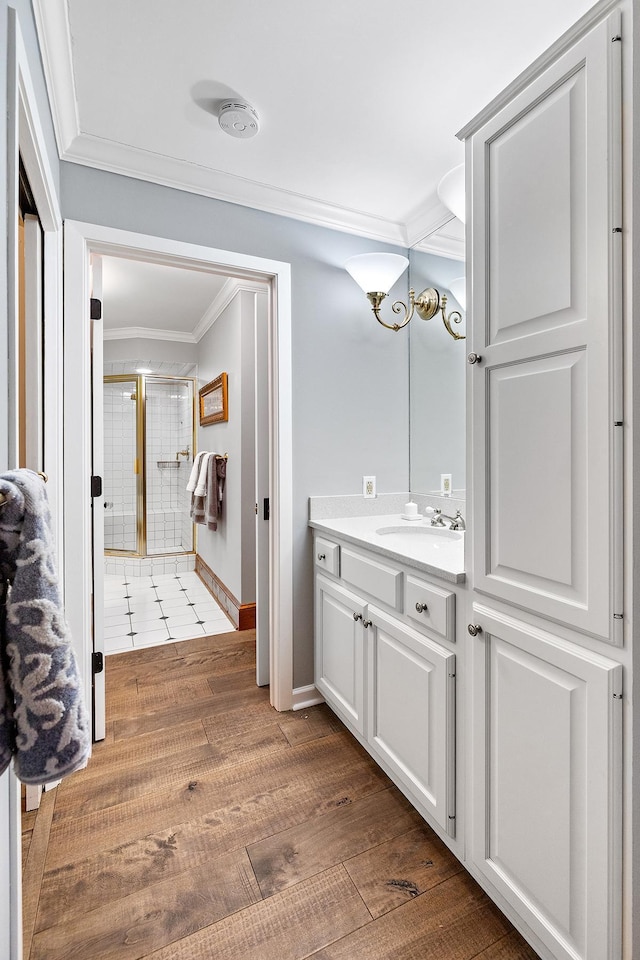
140	464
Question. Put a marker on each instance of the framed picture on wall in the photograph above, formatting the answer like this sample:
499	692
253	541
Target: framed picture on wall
214	406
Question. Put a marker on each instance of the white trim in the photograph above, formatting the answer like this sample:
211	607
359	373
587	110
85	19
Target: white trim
82	239
54	38
231	288
140	164
441	246
25	135
304	697
148	333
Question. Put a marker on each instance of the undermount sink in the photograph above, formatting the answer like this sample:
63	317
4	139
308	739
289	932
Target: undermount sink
422	530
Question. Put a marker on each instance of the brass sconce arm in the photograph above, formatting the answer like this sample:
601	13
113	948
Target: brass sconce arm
398	306
427	305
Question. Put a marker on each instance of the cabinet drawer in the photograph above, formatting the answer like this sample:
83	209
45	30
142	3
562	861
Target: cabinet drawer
439	615
327	556
375	578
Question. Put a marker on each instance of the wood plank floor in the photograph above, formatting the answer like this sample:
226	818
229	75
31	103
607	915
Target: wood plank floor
209	826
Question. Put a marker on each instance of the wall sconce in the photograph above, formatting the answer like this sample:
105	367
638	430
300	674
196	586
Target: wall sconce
376	273
451	192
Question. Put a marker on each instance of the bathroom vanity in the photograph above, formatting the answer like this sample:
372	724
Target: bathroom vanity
385	655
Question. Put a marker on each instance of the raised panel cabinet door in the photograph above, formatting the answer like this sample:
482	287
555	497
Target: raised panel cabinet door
339	650
546	783
411	712
544	177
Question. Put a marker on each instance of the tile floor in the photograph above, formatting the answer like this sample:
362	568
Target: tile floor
147	611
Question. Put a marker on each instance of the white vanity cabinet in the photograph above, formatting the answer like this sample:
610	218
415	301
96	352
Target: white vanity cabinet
411	713
339	650
392	683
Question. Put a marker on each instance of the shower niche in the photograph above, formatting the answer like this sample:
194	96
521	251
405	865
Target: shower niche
149	435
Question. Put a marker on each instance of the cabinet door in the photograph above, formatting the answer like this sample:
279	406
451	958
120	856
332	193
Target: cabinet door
411	712
339	653
546	748
544	178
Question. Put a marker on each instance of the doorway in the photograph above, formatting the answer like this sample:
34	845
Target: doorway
81	242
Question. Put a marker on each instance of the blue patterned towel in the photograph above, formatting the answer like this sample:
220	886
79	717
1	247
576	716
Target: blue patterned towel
43	721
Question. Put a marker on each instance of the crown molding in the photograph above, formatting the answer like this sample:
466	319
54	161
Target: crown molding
148	333
231	288
54	35
442	246
54	38
128	161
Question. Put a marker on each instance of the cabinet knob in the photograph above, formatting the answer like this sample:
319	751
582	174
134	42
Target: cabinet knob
474	629
474	358
367	623
322	556
421	607
357	616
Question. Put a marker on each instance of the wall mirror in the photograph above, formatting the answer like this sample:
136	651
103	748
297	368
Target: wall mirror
437	373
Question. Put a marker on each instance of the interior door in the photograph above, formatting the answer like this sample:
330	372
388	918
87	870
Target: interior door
261	341
97	504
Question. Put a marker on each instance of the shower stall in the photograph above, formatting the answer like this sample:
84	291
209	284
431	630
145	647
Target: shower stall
149	436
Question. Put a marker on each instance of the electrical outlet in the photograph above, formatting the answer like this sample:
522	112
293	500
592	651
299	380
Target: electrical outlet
445	484
368	487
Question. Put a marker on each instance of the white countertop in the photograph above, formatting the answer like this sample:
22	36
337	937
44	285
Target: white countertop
434	550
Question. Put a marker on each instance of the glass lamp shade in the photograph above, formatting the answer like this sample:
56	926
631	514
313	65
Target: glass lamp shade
376	272
458	288
451	191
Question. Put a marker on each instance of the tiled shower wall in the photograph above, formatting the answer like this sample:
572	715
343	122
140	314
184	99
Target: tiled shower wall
119	466
169	429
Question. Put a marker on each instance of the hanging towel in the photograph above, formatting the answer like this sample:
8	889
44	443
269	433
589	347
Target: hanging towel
197	512
200	489
195	471
43	720
215	487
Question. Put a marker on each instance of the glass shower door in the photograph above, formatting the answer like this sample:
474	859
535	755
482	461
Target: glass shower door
120	464
169	437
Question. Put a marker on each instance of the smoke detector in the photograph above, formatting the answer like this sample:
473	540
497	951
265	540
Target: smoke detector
238	119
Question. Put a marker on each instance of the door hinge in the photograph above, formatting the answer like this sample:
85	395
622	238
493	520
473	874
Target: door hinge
95	308
97	661
96	486
265	509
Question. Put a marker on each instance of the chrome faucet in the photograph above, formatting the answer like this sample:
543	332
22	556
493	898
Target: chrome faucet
456	523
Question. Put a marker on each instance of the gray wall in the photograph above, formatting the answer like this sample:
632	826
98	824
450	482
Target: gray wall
229	346
350	391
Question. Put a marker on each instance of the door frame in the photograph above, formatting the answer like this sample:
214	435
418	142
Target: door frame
81	240
25	137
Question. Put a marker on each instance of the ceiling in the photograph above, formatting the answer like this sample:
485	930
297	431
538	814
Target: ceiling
158	300
359	100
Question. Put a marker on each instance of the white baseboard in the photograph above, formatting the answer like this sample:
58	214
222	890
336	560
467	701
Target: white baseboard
304	697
